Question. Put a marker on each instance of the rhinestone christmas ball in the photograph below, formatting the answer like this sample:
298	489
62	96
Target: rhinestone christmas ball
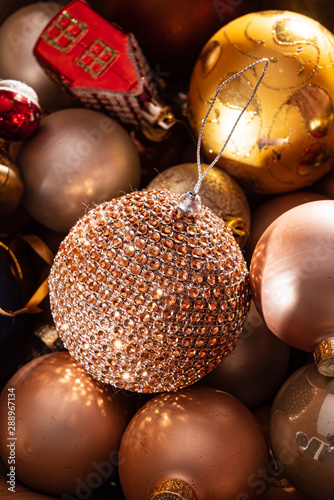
146	297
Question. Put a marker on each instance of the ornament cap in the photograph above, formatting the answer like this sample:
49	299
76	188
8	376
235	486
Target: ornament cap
190	203
173	489
324	357
21	87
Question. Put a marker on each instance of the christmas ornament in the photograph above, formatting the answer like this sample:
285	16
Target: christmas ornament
10	328
219	192
291	278
302	431
19	118
255	369
268	211
63	415
284	140
102	66
11	185
77	157
149	291
173	34
197	443
19	110
18	35
147	297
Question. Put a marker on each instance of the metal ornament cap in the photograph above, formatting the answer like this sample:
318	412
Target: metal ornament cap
173	489
324	357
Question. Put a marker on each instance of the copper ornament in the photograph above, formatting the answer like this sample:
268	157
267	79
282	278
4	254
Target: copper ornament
198	443
302	432
268	211
77	158
291	274
148	297
67	427
256	367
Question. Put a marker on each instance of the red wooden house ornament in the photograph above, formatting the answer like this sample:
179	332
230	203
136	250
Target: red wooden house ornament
101	65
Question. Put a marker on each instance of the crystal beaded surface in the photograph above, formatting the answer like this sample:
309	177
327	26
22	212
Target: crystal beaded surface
147	298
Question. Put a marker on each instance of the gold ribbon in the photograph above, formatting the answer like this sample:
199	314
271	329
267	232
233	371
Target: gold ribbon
46	254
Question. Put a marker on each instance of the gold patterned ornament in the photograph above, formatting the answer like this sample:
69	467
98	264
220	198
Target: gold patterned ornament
219	192
285	139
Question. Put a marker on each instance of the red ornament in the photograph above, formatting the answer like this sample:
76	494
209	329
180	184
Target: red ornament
101	65
19	110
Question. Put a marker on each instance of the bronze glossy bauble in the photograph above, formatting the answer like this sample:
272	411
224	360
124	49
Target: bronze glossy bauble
18	35
204	438
291	273
302	432
256	367
67	426
268	211
219	191
11	185
284	141
147	296
77	158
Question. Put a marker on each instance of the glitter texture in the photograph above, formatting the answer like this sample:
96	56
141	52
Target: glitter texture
147	298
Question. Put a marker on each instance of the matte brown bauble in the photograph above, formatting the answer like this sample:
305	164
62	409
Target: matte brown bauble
67	426
219	191
77	158
302	432
172	33
198	443
18	35
268	211
292	272
255	369
147	296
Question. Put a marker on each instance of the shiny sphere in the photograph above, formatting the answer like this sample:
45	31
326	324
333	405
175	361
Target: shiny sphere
19	110
302	432
77	158
18	35
148	298
292	272
256	367
11	185
268	211
219	191
284	141
204	437
68	426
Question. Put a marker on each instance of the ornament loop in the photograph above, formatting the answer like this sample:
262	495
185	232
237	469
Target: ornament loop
219	89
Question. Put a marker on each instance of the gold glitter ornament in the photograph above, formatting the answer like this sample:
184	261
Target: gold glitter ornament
146	296
285	140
